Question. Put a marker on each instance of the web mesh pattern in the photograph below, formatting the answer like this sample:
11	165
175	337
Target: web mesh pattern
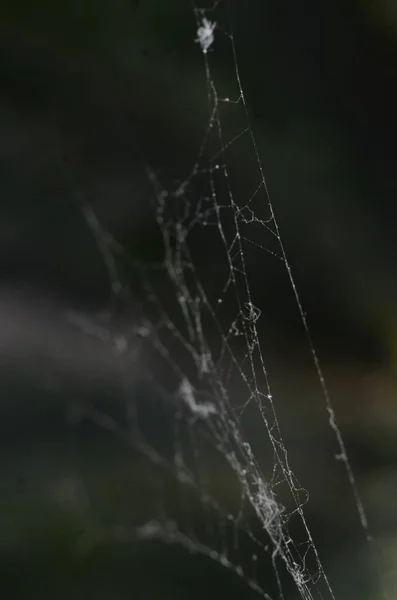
201	350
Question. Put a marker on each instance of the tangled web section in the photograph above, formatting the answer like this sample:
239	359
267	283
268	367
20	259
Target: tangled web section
203	373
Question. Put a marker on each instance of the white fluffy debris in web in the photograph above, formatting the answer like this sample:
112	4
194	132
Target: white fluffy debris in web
205	34
267	507
253	313
203	409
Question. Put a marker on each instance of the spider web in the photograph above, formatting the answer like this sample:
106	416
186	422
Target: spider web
202	356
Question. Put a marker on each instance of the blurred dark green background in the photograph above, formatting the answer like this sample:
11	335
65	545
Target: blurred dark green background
91	94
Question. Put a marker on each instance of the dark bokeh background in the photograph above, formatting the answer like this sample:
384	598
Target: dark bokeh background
91	94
